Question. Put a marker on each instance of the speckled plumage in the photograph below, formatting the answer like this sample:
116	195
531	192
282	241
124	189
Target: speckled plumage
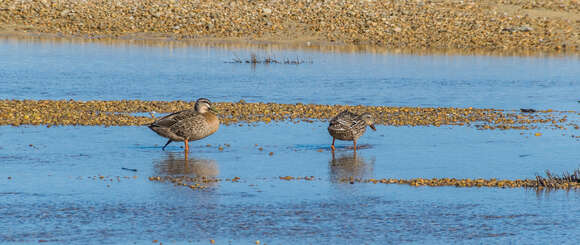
349	126
187	125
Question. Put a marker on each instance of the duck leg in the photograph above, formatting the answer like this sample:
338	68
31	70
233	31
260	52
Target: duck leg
354	142
186	146
163	148
333	159
332	146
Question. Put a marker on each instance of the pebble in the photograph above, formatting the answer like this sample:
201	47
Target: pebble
551	181
118	113
540	25
194	183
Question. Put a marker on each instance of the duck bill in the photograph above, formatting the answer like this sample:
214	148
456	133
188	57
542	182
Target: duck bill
214	110
373	127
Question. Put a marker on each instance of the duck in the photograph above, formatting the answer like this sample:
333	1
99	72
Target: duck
349	126
188	125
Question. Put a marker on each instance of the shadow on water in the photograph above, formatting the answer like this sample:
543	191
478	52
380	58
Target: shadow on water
175	164
348	165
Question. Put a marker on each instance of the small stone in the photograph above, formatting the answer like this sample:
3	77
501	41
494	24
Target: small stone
64	12
525	29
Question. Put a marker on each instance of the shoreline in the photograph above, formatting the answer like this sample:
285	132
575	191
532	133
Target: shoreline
494	27
272	45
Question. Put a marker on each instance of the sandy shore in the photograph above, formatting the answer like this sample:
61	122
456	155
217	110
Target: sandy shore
488	25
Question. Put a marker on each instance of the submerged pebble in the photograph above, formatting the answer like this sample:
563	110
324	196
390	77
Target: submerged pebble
194	183
551	181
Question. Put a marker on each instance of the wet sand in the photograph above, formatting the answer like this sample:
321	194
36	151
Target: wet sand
499	25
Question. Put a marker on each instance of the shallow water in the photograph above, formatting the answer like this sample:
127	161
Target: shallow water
32	69
55	192
50	178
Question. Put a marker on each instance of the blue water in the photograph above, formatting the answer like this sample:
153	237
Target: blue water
32	69
50	178
55	192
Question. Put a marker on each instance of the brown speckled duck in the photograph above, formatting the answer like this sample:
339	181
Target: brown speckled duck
188	125
349	126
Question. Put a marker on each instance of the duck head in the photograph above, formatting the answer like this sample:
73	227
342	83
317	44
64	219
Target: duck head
369	120
203	105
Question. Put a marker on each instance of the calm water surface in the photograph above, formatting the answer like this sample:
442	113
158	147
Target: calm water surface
91	71
50	188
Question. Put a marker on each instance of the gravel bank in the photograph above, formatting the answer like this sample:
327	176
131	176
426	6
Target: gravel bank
122	113
504	25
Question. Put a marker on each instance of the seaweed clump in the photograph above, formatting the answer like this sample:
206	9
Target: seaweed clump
553	181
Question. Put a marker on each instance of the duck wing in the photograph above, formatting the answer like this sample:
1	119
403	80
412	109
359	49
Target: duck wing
173	118
193	127
345	120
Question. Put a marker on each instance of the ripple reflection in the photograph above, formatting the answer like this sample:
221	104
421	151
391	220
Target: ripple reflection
350	165
175	165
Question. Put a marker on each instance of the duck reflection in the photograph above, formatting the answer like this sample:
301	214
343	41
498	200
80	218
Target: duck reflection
173	165
350	165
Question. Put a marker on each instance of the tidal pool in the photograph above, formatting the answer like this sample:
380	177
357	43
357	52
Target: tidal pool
76	185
